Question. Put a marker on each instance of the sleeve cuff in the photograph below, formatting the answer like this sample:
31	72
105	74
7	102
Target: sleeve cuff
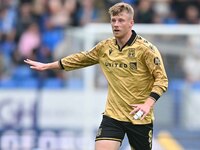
61	65
154	96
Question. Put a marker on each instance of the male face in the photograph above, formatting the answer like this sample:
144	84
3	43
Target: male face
121	24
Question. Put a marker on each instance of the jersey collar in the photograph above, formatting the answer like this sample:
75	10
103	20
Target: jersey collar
130	41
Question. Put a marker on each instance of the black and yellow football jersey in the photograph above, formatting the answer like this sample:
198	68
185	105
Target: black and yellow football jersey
134	73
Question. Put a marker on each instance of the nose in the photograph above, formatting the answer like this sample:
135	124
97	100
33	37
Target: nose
116	23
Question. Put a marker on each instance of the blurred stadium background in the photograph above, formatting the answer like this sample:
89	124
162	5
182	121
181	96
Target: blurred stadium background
57	110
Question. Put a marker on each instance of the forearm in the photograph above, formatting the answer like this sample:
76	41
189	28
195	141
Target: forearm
52	65
77	61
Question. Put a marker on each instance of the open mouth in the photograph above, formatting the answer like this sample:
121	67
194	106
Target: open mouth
116	30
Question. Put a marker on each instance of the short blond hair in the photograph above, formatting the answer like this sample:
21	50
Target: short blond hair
121	7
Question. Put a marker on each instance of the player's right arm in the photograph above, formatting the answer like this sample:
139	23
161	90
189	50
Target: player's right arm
42	66
71	62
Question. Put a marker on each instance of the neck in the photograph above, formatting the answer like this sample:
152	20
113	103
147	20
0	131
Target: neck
123	40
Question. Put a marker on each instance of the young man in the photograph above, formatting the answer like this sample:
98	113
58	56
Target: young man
136	79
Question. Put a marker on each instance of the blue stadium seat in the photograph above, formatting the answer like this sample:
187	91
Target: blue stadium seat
7	83
28	83
22	72
52	83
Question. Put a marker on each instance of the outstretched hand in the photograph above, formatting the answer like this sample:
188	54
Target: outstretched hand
36	65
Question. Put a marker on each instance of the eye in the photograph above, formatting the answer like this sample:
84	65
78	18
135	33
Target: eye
113	20
121	20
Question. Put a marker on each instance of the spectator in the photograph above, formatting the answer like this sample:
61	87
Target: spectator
55	16
144	12
7	19
179	6
25	18
192	15
185	9
87	13
70	7
53	25
163	13
7	47
29	41
39	9
171	18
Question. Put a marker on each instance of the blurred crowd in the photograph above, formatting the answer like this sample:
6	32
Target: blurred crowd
33	28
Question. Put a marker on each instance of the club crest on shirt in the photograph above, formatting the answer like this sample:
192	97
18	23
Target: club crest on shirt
133	65
131	52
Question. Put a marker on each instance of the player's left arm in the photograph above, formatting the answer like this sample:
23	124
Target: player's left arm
156	67
154	63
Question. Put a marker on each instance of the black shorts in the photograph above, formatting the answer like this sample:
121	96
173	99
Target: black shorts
139	136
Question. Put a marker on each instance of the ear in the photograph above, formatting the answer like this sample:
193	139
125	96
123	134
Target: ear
131	23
